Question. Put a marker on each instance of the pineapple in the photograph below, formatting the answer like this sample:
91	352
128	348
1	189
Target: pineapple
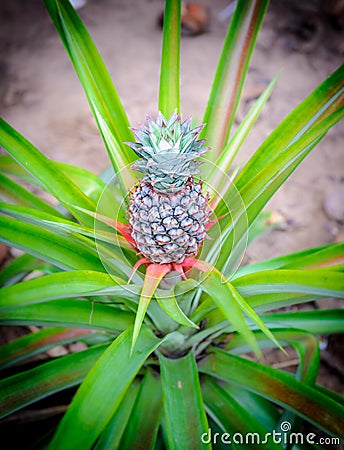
168	212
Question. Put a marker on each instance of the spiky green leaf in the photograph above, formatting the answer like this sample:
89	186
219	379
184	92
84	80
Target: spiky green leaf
109	379
183	405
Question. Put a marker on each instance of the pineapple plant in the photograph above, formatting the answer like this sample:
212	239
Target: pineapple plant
173	357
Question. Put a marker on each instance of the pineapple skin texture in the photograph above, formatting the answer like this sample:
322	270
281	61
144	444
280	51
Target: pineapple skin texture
168	227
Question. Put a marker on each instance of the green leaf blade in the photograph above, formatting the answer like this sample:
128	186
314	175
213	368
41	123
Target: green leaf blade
279	387
109	379
277	158
111	436
230	150
75	283
316	322
18	268
101	94
218	289
37	342
142	428
321	103
319	282
30	386
45	171
154	274
231	73
48	246
183	406
232	417
169	92
169	305
251	314
328	255
11	192
72	313
305	343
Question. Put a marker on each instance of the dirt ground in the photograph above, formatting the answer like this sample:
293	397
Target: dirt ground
41	96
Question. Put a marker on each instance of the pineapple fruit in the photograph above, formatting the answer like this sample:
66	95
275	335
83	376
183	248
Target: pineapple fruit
168	212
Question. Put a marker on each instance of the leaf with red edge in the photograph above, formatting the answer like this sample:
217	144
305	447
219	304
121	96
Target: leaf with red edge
32	385
231	73
38	342
154	274
120	227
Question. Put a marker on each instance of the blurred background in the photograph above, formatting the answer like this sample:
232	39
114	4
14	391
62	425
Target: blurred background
40	96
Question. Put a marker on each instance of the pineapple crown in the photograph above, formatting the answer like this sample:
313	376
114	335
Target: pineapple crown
168	149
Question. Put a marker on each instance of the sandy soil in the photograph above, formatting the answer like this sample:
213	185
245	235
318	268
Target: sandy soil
40	94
